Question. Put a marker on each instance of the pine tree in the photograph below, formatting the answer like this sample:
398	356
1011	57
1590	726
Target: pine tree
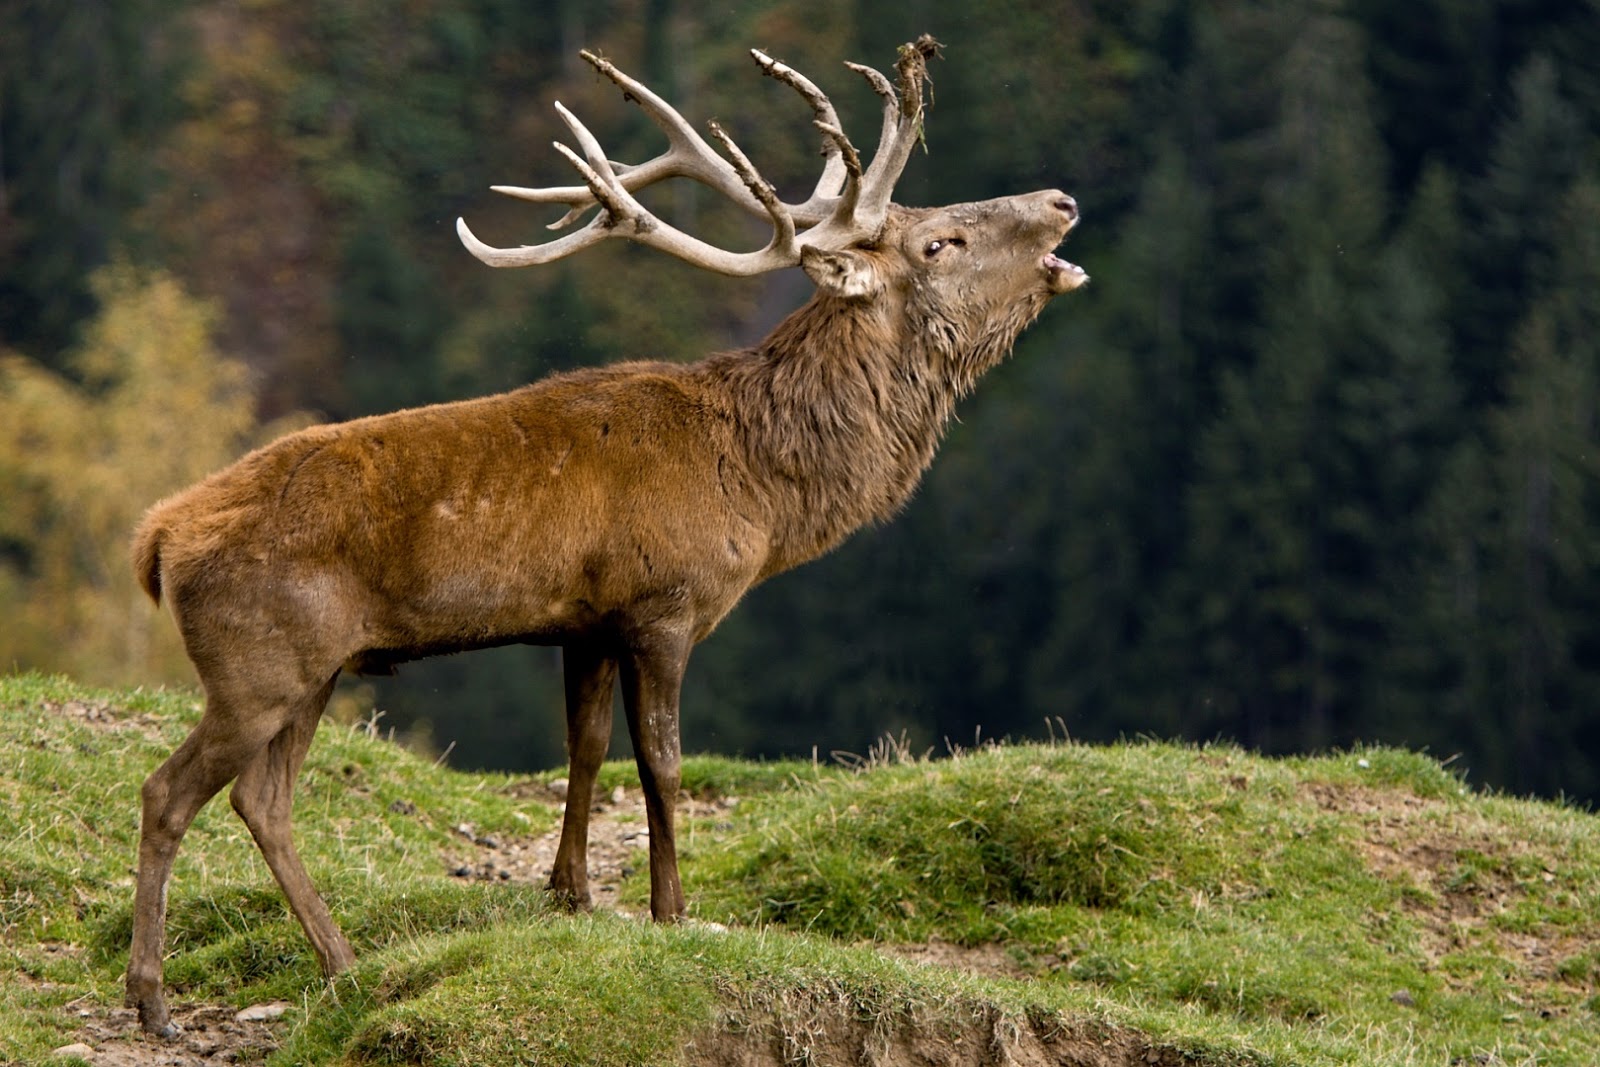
1535	156
1513	592
1282	588
86	90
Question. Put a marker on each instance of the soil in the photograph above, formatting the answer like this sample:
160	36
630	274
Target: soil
619	844
212	1035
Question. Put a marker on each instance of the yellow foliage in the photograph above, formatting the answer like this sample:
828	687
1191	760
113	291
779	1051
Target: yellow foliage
154	407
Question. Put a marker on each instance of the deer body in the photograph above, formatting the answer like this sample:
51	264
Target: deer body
618	512
524	516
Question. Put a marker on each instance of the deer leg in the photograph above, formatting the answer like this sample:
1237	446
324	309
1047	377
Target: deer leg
264	798
652	674
213	754
590	675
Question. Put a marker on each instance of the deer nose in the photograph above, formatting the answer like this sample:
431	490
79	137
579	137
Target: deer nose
1067	206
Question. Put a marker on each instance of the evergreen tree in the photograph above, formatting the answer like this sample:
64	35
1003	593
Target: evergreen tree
1123	408
86	91
1282	589
1534	158
1513	594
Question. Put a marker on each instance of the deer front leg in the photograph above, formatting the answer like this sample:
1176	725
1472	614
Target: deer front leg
589	675
652	675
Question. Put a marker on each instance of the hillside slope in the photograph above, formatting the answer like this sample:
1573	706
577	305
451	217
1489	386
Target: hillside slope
1024	904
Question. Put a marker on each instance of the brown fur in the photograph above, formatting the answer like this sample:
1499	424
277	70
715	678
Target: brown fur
620	512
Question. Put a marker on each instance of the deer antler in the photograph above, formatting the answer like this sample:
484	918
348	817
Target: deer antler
847	205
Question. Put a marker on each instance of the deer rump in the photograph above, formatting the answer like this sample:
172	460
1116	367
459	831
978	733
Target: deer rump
619	512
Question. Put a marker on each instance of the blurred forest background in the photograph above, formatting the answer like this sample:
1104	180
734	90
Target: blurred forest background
1315	460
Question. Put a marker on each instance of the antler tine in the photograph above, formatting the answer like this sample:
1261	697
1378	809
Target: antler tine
619	207
902	126
593	154
843	206
532	255
835	146
761	189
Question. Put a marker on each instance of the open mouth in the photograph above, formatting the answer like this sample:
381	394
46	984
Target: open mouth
1063	276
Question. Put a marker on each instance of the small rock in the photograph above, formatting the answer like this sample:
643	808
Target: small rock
558	788
403	807
260	1013
466	830
618	795
1403	998
462	872
79	1049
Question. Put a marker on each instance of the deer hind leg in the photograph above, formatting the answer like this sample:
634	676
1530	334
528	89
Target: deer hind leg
590	675
652	674
263	796
229	735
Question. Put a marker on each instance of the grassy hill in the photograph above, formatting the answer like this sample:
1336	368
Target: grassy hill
1132	904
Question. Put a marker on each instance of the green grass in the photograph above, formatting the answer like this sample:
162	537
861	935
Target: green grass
1363	907
1295	898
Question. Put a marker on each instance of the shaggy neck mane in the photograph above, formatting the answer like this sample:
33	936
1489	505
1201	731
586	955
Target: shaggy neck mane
841	410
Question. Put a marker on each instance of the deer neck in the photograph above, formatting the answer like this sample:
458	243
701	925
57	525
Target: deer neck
840	414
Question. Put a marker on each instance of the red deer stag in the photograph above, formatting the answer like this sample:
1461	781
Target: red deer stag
619	512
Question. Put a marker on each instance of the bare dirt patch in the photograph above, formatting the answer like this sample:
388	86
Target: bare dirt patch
619	843
1462	883
991	960
212	1035
105	717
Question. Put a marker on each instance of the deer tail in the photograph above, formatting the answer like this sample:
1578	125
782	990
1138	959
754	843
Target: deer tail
147	556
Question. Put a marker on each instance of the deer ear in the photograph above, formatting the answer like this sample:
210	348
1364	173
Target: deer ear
850	275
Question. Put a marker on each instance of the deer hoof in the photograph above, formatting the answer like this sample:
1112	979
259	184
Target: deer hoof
158	1023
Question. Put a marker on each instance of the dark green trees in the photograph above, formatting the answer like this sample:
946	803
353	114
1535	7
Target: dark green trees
1312	461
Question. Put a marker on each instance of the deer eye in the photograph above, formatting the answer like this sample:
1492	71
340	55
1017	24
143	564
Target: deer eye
935	245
